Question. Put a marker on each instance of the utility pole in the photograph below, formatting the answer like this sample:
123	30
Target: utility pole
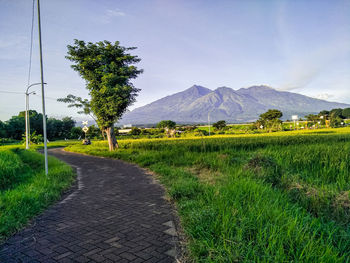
42	91
27	114
209	122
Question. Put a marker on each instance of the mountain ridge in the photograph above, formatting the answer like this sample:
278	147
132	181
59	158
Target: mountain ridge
223	103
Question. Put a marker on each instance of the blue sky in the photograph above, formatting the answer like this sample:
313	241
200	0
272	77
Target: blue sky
299	46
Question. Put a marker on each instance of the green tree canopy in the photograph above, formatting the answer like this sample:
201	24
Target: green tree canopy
166	124
334	113
219	125
312	117
270	120
346	113
108	70
271	114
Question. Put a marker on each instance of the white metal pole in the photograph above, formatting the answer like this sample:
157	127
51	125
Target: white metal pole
209	122
28	123
42	91
26	114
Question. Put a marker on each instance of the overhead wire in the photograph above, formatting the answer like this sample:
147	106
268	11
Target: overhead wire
14	92
31	45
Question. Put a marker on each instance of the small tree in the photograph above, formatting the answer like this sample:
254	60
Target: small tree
335	113
219	125
335	122
166	124
83	104
270	120
108	70
76	132
135	131
346	113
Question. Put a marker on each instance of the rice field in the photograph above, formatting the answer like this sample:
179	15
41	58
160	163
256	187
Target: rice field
279	197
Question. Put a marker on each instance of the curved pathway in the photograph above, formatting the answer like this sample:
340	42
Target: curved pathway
115	213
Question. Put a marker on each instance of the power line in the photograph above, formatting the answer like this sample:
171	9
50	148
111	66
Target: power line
14	92
31	45
50	98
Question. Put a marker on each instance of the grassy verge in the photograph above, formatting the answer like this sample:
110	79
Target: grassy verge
25	190
280	197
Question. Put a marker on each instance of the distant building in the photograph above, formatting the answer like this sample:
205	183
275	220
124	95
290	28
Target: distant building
127	126
124	131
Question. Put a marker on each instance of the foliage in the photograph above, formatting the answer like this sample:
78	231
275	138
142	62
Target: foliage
274	197
336	121
135	131
3	133
76	132
219	125
312	118
346	113
94	132
334	113
108	69
270	120
14	128
166	124
78	102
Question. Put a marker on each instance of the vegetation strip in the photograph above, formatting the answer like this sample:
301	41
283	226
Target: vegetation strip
25	190
253	198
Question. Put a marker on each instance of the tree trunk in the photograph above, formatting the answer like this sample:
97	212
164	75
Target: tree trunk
103	135
112	141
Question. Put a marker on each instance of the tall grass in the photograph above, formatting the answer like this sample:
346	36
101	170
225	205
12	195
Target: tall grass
281	197
25	190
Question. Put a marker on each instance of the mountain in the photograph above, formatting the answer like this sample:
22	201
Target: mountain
243	105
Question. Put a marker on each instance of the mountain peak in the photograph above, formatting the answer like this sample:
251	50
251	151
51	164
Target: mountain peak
197	89
260	87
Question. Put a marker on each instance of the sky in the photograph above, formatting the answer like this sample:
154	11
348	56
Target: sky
292	45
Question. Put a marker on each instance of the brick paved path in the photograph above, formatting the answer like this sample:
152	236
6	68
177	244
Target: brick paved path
114	214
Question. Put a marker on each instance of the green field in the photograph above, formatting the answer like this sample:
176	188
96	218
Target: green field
25	190
279	197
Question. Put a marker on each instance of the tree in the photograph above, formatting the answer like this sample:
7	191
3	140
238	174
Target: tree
76	133
324	113
219	125
35	121
312	117
16	127
346	113
166	124
334	113
271	115
67	124
93	132
3	130
108	70
54	128
270	120
135	131
83	104
335	122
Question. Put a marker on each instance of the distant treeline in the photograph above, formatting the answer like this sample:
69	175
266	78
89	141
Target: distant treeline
14	128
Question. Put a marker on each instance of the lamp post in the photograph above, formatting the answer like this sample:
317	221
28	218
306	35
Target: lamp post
27	115
209	121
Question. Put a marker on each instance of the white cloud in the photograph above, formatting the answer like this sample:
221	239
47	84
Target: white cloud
110	14
324	96
114	13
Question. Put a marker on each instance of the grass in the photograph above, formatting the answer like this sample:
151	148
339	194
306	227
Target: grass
280	197
25	190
